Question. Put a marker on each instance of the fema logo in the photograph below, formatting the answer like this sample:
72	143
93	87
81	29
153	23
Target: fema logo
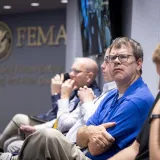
6	41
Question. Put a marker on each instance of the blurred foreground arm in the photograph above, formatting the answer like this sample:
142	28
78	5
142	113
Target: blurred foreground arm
154	139
127	154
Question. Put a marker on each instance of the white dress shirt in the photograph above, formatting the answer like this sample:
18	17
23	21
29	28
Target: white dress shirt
77	118
64	106
87	109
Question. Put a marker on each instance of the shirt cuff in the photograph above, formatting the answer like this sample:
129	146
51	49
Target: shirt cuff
45	125
55	97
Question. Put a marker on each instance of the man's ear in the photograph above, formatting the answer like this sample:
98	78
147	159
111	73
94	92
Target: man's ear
139	64
90	76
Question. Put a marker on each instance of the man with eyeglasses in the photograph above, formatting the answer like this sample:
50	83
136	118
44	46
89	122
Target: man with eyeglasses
128	107
115	123
147	143
64	103
87	106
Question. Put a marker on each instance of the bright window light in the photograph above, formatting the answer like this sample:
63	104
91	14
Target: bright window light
64	1
7	7
35	4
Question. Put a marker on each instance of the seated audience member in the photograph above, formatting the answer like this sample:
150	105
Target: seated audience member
140	150
127	106
87	106
83	72
154	139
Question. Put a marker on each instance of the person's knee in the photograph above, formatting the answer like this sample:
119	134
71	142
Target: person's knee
9	141
50	134
15	146
21	119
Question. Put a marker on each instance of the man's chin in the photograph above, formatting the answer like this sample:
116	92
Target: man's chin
118	77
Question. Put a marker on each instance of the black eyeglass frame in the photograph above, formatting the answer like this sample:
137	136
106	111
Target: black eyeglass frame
121	57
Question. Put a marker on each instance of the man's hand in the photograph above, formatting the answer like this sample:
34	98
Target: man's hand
99	139
56	83
67	88
86	94
27	129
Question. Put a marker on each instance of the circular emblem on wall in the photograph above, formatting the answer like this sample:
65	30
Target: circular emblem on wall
6	41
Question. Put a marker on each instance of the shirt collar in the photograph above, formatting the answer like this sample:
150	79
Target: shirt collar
131	89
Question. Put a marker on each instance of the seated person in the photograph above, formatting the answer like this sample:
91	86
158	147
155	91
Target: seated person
87	106
84	71
122	113
146	146
154	139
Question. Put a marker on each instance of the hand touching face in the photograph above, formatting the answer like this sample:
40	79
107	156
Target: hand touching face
56	84
67	88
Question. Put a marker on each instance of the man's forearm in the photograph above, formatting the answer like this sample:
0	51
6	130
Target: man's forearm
82	137
63	106
154	141
127	154
87	109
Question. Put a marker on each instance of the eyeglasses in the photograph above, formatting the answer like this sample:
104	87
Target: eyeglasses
121	57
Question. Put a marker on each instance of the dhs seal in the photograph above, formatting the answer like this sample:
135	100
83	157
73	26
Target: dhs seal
6	41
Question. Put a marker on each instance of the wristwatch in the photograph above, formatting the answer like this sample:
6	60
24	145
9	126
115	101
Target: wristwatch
153	116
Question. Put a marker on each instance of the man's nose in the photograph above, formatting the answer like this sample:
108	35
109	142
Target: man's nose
117	60
71	74
103	65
